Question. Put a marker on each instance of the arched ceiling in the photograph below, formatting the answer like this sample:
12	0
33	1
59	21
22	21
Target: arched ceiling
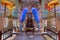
47	2
14	1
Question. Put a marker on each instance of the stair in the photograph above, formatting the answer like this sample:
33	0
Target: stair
11	38
47	37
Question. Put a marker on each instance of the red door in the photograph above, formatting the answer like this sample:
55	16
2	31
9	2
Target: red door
59	35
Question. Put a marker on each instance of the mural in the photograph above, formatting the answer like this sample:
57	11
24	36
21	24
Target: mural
14	12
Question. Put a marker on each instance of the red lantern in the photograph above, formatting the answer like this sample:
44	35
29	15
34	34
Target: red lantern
47	7
20	1
40	1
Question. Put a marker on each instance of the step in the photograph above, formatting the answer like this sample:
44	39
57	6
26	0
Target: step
11	38
47	37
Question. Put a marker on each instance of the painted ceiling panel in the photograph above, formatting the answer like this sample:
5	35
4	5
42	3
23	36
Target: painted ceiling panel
30	0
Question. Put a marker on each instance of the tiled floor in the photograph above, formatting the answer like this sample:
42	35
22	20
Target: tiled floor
29	38
23	36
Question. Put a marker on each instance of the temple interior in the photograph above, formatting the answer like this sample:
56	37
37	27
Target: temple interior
29	19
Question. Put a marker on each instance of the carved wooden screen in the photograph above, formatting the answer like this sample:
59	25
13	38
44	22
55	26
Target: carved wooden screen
29	21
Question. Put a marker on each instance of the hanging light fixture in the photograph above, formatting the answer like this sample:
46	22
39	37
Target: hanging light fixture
53	4
8	4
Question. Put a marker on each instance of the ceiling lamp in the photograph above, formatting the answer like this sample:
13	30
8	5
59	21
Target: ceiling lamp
8	4
52	3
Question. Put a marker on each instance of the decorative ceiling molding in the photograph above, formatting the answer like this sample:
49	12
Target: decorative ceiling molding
19	1
30	0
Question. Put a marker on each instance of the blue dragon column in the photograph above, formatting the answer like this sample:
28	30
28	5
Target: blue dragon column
36	17
23	16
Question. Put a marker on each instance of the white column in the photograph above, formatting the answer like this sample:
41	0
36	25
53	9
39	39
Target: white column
43	10
5	22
